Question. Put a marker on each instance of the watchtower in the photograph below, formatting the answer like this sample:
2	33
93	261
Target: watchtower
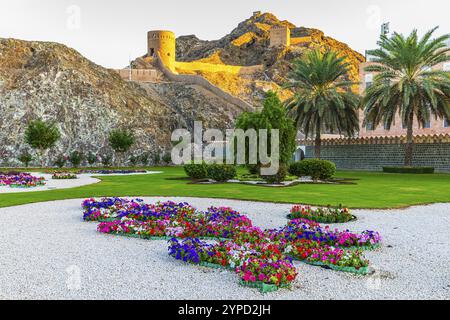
280	36
162	42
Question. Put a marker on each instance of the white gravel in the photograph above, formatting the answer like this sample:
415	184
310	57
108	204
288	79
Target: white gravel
47	252
50	184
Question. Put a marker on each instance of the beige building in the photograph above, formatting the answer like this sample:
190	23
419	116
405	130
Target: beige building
435	126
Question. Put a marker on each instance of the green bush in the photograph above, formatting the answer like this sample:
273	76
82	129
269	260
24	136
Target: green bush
133	160
314	168
107	160
279	177
91	158
196	171
76	158
167	158
253	168
61	161
416	170
221	172
25	158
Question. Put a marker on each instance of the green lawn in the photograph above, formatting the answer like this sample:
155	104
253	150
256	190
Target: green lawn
372	190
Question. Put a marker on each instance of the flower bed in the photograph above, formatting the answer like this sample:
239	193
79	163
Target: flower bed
20	180
64	176
261	258
322	215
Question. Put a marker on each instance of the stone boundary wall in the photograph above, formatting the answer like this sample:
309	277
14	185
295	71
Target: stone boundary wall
210	67
299	40
374	157
140	75
373	153
200	81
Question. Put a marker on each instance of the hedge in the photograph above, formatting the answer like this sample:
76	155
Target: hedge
415	170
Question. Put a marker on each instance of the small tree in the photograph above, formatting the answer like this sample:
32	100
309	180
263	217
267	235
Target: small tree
76	158
121	141
167	158
25	158
106	160
133	160
41	136
156	159
144	159
91	158
60	161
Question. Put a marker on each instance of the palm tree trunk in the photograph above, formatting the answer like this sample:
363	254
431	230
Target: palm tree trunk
318	144
409	141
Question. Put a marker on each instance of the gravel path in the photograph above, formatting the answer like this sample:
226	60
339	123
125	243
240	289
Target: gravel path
50	184
47	252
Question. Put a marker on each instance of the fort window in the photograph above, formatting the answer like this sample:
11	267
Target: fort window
427	124
152	52
446	122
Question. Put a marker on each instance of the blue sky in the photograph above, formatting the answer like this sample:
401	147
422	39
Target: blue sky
109	32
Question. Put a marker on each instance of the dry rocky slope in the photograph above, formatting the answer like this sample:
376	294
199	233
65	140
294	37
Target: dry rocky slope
86	101
248	44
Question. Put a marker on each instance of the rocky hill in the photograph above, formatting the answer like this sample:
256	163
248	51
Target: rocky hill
86	101
248	44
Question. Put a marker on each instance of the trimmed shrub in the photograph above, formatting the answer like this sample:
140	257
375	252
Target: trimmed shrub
76	158
221	172
133	160
61	161
91	158
196	171
415	170
253	168
25	158
167	158
279	177
314	168
107	160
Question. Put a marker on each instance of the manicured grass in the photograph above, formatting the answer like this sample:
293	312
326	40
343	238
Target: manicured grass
372	190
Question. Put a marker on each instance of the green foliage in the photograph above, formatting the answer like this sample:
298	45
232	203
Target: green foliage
144	158
60	161
253	168
167	158
41	135
75	158
407	82
196	171
107	160
121	140
272	116
156	159
221	172
279	177
416	170
25	158
323	100
134	160
314	168
91	158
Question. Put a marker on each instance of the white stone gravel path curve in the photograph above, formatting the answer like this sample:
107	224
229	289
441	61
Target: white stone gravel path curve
51	184
48	252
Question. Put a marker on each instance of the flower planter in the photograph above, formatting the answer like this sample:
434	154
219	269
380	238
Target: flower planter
215	266
318	220
361	271
364	248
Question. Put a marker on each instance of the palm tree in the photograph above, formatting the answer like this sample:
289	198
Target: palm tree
406	83
323	99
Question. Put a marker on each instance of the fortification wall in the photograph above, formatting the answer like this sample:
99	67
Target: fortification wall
140	75
210	67
300	40
200	81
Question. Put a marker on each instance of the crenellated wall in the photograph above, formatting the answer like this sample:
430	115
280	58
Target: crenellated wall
140	75
210	67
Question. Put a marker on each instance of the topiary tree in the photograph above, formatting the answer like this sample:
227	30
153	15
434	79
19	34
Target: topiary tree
196	171
41	136
76	158
221	172
25	158
121	141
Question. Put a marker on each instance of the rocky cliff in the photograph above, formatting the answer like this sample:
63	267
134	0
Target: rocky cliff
248	44
86	101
